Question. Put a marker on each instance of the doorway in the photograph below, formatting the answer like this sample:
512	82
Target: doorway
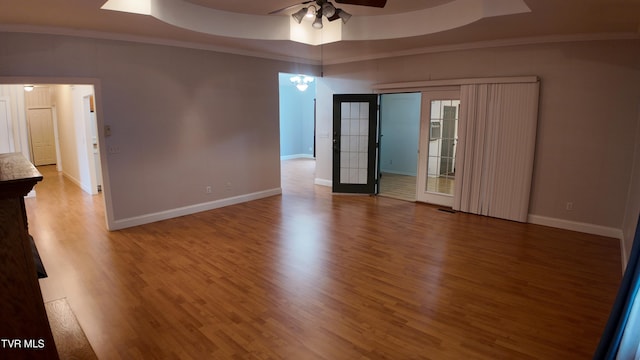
399	136
57	125
297	100
65	133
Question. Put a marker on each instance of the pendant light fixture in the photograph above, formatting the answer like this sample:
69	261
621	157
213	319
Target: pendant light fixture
301	81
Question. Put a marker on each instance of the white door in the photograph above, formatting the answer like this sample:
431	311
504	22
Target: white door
438	138
6	129
43	145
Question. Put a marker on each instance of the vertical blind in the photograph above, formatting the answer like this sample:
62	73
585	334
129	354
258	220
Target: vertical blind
496	132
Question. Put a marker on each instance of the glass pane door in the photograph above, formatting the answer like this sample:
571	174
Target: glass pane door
355	130
438	140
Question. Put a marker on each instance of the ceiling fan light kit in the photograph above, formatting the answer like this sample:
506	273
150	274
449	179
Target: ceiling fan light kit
345	16
299	15
317	23
327	9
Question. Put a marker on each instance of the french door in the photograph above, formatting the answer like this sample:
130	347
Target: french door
437	149
355	143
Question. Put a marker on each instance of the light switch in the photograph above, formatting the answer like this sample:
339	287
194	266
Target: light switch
107	130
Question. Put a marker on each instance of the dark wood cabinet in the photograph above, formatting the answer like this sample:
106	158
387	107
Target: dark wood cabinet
24	327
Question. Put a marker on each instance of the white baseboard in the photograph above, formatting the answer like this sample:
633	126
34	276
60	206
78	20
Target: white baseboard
297	156
576	226
397	172
323	182
585	228
192	209
72	179
77	182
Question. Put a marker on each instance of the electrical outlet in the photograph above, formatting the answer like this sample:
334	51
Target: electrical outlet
228	186
569	206
114	149
208	189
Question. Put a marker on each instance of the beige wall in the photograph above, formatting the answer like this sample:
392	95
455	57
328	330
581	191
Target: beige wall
183	119
590	93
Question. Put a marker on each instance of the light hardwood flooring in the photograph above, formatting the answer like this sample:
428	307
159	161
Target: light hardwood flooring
398	186
403	187
311	275
441	184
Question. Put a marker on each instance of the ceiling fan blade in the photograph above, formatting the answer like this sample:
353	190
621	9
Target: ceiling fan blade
372	3
290	6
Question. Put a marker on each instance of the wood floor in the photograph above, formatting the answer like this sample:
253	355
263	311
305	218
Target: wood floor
403	187
398	186
309	275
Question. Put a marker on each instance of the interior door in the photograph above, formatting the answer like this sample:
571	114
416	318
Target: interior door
438	138
43	143
355	143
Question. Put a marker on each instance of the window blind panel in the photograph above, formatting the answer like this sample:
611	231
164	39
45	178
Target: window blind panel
497	130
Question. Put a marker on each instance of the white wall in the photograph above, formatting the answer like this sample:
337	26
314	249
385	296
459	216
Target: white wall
587	119
72	133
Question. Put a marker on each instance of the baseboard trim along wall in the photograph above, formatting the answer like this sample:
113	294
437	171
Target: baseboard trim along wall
323	182
73	180
297	156
585	228
192	209
576	226
398	172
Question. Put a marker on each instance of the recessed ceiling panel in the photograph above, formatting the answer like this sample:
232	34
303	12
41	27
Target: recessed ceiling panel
255	7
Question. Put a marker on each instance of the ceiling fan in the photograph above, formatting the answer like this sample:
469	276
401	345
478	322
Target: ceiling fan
327	9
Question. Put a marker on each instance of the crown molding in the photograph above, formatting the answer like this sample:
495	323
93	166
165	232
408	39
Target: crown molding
490	44
301	60
46	30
